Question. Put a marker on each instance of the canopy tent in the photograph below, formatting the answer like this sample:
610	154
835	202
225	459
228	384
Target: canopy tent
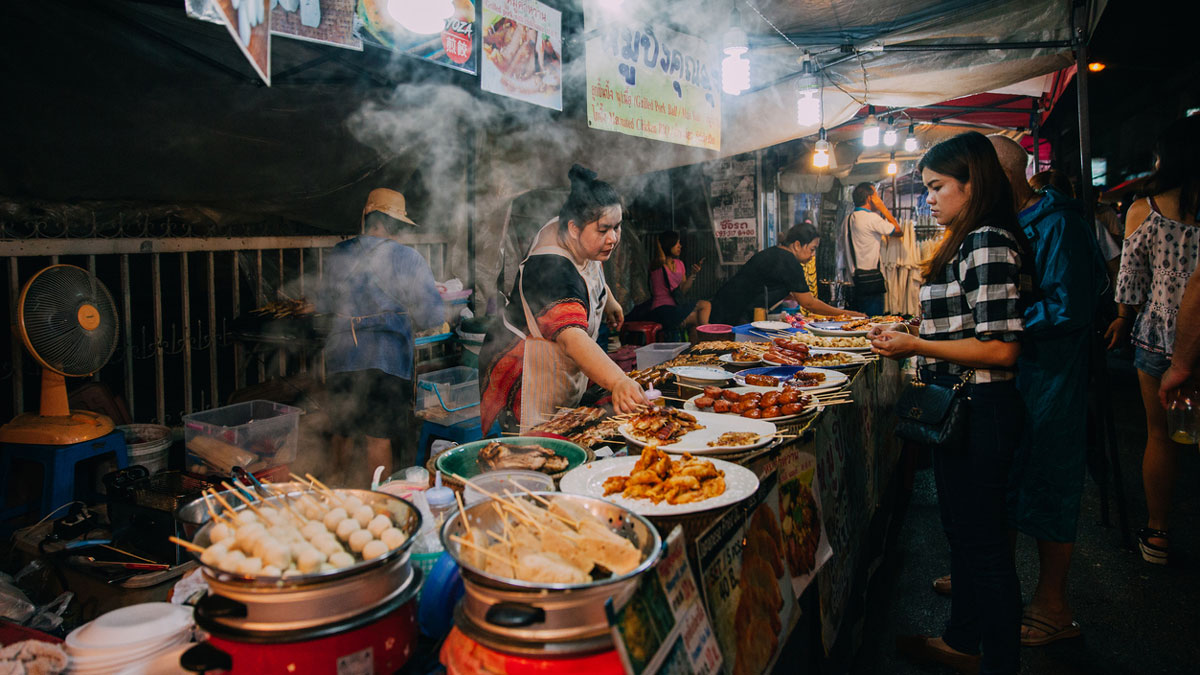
120	100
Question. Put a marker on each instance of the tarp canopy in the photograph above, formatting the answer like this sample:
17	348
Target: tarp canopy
122	100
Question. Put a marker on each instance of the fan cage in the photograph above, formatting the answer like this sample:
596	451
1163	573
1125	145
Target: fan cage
49	319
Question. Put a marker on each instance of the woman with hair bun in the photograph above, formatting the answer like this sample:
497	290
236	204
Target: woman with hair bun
543	353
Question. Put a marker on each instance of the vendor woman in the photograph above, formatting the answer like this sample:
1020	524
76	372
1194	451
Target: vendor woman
772	276
543	353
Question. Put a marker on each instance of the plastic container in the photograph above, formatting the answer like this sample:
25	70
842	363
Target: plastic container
453	390
253	434
497	482
149	445
658	352
714	331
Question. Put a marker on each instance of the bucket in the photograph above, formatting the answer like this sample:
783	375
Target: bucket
149	445
472	343
715	331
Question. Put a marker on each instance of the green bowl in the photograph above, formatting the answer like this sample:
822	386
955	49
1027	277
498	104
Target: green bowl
461	460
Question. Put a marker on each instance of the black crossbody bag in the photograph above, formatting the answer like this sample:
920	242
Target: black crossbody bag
932	414
866	282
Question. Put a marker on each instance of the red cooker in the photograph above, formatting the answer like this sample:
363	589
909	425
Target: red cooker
360	619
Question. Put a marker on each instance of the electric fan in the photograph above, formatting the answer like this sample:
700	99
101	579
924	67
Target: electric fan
68	322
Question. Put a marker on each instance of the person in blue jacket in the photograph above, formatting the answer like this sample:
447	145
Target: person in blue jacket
378	292
1046	480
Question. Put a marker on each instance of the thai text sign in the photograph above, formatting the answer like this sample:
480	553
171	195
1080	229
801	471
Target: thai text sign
653	82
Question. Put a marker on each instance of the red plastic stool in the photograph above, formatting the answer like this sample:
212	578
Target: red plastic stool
640	332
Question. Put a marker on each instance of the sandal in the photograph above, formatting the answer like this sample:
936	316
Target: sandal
1152	553
1049	632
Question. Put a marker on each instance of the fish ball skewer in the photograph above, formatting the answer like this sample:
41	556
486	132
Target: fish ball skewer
334	518
374	549
363	514
346	528
359	539
340	560
393	537
378	524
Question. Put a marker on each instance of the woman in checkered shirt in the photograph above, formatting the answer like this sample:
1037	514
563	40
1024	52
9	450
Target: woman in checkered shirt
971	321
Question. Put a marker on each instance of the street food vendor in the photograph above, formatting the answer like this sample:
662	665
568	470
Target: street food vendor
771	276
542	354
379	291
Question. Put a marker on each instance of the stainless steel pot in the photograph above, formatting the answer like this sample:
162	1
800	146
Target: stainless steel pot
525	617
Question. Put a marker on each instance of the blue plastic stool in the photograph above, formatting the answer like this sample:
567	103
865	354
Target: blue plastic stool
58	468
462	432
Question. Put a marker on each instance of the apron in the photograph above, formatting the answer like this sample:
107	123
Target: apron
550	378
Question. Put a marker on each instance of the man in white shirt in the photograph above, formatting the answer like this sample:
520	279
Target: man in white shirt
869	221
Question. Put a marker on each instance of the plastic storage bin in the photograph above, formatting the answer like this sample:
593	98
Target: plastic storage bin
252	434
658	352
449	393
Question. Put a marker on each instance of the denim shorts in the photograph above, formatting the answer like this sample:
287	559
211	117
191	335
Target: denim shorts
1153	364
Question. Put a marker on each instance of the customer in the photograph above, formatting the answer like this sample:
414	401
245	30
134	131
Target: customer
1187	343
1162	242
1046	483
869	221
669	284
771	276
379	291
970	326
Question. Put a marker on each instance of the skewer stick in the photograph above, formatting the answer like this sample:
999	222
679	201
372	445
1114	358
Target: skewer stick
463	542
836	403
186	544
249	504
503	502
212	513
286	502
221	500
569	521
325	488
131	555
462	511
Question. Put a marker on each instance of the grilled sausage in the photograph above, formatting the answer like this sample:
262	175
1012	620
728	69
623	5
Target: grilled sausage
792	408
753	413
704	402
769	399
772	411
722	406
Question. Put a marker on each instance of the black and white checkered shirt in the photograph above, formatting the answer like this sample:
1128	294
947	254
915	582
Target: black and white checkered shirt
975	295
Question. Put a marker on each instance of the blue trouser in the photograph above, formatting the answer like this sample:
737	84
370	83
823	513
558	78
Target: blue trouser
871	305
972	481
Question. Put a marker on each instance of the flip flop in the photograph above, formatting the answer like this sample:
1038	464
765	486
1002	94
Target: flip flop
1050	632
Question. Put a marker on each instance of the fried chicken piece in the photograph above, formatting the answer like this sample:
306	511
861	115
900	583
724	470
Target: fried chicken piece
688	497
714	487
644	478
663	466
649	456
614	484
683	483
700	470
637	491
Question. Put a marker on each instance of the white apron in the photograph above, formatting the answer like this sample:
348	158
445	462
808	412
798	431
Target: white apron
550	378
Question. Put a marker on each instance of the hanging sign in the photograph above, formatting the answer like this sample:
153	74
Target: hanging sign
454	47
649	81
329	22
248	21
661	627
734	203
522	51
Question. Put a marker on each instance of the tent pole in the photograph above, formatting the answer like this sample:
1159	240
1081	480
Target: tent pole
1037	148
472	153
1079	21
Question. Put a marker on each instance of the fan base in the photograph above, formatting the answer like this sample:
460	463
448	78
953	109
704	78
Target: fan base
34	429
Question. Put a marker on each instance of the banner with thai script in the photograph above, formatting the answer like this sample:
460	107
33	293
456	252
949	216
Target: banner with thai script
733	198
328	22
649	81
381	23
522	51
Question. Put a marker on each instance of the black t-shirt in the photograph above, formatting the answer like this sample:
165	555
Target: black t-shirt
774	270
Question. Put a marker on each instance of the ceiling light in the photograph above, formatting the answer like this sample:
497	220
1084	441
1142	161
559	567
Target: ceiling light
808	97
421	16
821	151
910	141
889	133
892	169
870	129
735	74
1096	66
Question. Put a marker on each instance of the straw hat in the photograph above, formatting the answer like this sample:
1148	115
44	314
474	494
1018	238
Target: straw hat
387	202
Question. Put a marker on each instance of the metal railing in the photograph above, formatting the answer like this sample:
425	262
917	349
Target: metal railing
176	300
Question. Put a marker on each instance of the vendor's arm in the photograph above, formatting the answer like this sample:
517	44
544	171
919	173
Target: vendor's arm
814	305
614	316
626	394
969	352
412	282
1187	341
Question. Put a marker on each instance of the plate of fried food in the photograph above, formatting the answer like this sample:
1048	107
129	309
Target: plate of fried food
857	327
550	456
766	403
830	358
842	342
659	484
677	431
784	352
801	377
742	357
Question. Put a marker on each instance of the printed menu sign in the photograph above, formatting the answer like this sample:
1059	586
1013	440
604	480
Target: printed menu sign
746	581
734	201
454	47
661	627
248	21
650	81
329	22
805	546
522	51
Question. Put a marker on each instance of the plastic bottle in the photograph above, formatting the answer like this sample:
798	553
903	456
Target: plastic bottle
441	502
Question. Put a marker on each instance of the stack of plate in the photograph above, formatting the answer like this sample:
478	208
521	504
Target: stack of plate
126	638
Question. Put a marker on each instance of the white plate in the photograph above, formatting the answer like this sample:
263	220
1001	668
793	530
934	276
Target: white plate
861	349
771	325
696	442
833	379
833	329
589	478
701	374
855	358
728	358
690	406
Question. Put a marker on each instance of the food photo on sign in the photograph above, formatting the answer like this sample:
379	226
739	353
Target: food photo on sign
522	51
438	31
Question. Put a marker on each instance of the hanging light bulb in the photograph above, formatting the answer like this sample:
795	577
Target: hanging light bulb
735	70
889	133
910	141
821	151
870	129
892	169
421	16
808	97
